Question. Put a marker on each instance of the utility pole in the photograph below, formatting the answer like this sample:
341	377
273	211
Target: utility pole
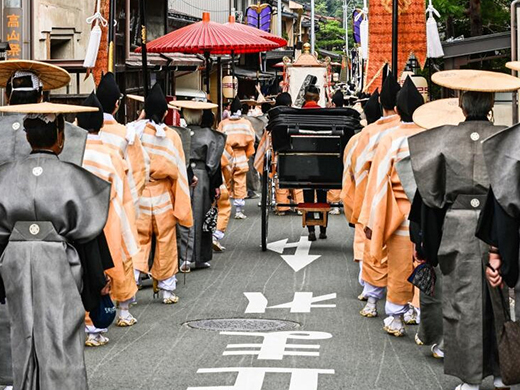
279	20
345	20
313	33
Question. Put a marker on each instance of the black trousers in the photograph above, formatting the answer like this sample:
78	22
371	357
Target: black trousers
312	196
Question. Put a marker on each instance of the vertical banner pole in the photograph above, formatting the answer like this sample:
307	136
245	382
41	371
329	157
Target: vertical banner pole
395	36
144	55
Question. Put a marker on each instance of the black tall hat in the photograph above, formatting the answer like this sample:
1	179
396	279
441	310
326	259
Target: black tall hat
155	104
108	92
236	105
338	99
389	92
408	100
91	121
372	108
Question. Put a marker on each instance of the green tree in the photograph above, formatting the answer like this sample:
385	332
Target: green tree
463	17
331	36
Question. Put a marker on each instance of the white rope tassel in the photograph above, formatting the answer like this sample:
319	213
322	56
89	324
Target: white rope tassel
95	37
432	34
363	30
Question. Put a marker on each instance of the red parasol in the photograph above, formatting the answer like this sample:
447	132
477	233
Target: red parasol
255	31
209	38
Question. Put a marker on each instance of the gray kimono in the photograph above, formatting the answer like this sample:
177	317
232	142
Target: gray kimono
449	170
15	146
502	156
41	269
207	146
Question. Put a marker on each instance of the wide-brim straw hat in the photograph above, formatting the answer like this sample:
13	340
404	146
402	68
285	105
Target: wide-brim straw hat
193	104
140	99
513	65
47	108
439	113
476	80
51	76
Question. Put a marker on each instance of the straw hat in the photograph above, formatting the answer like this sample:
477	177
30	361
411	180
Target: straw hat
439	113
476	80
51	76
514	65
47	108
138	98
193	104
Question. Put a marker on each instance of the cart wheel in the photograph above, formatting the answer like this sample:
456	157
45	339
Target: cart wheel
266	199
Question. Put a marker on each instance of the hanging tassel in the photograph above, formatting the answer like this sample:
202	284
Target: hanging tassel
363	29
95	37
432	34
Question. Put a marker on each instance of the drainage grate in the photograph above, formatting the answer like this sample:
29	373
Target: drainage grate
242	324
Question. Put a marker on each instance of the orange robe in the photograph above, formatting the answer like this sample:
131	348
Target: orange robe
119	230
165	202
385	212
117	137
355	183
224	209
240	146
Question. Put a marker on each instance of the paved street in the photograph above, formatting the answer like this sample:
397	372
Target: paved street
162	353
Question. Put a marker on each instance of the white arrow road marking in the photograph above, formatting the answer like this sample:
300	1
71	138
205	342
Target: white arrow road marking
301	258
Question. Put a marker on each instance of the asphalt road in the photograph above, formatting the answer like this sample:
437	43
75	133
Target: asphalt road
162	353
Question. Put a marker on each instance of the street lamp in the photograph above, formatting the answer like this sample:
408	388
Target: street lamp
4	47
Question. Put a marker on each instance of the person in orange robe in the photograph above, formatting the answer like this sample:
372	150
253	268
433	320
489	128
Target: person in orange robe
224	213
122	242
121	139
355	183
240	146
166	197
384	216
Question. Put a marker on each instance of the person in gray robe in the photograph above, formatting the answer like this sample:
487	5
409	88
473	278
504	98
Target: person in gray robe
40	267
25	87
500	223
207	146
451	176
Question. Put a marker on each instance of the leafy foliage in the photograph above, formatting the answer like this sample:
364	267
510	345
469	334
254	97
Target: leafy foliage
331	36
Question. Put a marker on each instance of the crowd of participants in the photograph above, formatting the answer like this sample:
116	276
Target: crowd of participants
412	196
418	199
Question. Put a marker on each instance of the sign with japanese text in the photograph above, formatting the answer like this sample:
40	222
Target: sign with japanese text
13	22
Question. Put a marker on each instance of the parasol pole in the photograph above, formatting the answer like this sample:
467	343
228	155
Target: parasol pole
395	36
144	56
345	18
206	56
219	89
313	33
111	35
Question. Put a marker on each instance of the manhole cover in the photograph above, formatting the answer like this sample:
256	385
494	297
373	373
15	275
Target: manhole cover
242	324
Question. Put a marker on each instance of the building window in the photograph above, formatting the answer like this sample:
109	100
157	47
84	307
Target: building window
61	49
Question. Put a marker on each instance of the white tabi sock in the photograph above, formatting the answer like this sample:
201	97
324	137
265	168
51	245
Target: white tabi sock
371	302
137	276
